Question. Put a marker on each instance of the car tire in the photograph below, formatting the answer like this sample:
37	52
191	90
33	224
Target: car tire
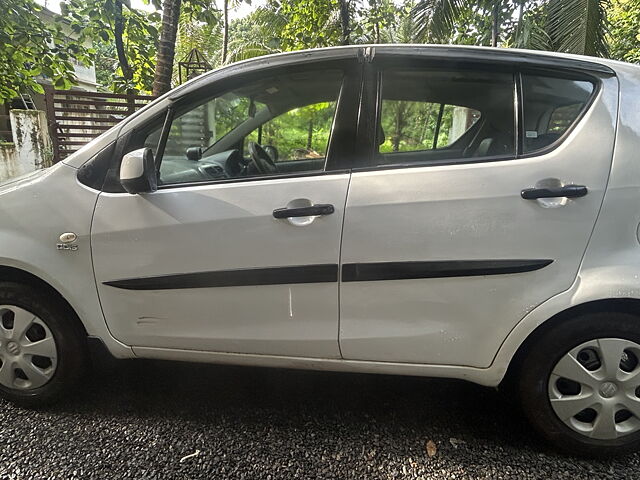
46	357
546	391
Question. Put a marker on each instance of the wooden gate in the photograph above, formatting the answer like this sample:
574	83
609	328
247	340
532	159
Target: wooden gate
76	117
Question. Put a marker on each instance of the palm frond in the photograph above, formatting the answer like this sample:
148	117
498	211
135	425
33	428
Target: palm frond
436	18
578	26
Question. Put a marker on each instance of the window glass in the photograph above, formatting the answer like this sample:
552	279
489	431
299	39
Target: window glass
434	115
551	106
276	125
299	134
428	130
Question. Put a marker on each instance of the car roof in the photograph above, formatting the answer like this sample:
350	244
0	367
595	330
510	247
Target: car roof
505	56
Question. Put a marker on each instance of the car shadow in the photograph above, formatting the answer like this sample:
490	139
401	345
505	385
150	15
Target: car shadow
299	424
393	405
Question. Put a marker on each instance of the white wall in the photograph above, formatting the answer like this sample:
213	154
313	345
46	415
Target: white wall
31	149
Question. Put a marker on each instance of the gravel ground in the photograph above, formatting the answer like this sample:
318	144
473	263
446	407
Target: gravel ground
140	419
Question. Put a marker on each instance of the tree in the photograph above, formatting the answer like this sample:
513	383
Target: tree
382	19
572	26
256	34
624	30
225	30
29	48
167	46
124	38
309	24
578	26
345	20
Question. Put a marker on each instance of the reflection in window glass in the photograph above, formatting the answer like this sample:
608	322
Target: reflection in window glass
551	106
301	133
437	115
269	126
428	130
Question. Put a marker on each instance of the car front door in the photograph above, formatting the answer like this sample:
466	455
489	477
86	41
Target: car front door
234	253
449	240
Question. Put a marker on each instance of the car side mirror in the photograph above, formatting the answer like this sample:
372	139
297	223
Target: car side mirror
138	172
194	153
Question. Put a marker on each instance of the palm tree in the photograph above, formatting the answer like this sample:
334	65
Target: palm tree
578	26
256	34
166	46
225	30
572	26
345	20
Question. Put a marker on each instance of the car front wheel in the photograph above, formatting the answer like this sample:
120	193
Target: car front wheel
43	349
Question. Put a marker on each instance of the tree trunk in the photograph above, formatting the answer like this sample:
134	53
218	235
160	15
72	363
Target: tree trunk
310	134
166	46
344	22
495	23
399	126
225	31
519	27
118	32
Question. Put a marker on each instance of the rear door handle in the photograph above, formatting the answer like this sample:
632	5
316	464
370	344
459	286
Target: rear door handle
568	191
312	211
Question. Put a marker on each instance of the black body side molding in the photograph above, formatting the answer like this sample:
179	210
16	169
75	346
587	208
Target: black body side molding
351	272
368	272
233	278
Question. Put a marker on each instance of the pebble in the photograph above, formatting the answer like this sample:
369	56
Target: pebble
138	419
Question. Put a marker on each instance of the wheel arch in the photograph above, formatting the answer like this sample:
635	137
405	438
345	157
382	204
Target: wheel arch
13	274
618	305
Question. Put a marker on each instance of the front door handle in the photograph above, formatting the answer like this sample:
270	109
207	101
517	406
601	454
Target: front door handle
568	191
311	211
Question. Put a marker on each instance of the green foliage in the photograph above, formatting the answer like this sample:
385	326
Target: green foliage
578	26
572	26
299	133
256	34
309	24
95	20
411	126
30	48
531	30
624	30
382	21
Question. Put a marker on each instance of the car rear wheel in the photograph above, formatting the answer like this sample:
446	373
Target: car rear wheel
579	385
43	349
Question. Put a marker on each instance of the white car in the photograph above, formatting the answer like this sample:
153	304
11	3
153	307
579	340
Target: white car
415	210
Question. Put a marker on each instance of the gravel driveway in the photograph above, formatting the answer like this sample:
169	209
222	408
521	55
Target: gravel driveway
145	419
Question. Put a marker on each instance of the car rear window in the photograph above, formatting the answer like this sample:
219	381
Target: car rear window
432	115
551	107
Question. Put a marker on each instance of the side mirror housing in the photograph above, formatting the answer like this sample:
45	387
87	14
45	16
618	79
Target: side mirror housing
138	172
194	153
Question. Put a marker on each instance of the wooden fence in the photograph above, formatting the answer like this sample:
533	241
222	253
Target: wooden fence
76	117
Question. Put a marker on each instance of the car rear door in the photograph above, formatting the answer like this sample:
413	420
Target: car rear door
215	264
448	240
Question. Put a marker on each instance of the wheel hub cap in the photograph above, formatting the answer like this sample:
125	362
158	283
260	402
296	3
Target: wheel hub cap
28	351
608	389
595	388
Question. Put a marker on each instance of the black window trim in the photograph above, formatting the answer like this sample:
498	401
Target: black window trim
341	145
358	146
517	70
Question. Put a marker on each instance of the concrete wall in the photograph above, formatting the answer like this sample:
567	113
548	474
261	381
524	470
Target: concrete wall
8	161
31	148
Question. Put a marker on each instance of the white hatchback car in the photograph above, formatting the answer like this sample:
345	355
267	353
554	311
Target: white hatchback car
440	211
